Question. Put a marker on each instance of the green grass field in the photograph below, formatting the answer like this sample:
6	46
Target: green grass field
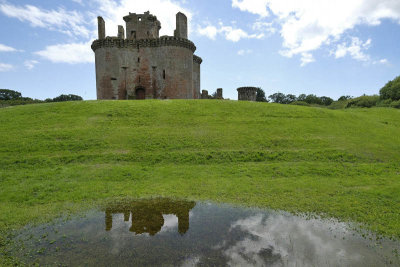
63	157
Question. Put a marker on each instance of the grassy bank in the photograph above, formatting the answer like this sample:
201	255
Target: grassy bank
62	156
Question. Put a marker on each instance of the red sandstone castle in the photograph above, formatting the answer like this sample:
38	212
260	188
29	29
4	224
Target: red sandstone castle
142	65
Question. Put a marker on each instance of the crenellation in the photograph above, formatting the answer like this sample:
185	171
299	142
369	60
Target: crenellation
170	41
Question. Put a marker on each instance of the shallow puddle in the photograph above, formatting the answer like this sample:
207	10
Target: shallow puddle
163	232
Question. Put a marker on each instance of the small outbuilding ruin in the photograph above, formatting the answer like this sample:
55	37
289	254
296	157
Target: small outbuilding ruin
247	93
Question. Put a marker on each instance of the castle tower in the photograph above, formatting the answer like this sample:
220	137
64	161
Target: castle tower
142	26
138	64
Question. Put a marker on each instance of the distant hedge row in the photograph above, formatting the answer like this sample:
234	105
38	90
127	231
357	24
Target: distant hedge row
13	98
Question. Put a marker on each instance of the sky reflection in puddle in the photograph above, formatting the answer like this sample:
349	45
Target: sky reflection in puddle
162	232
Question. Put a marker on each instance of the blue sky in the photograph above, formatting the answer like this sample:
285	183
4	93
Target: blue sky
323	47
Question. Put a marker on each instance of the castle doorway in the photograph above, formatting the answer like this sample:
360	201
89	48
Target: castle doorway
140	93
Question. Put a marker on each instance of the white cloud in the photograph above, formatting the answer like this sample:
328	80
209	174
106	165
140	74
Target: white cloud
264	27
5	48
68	22
354	49
30	64
306	25
306	58
208	31
72	53
5	67
258	7
382	61
243	52
229	32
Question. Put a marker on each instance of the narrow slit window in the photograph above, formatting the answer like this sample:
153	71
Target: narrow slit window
138	59
139	79
163	74
113	79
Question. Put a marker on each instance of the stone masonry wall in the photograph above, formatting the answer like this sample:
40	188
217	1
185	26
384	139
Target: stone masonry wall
247	93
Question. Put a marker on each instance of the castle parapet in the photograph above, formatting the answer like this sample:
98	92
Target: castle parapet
158	42
197	59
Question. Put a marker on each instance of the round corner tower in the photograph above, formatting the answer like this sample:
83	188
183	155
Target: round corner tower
139	64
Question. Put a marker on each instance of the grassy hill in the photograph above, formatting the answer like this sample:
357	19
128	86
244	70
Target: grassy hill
61	157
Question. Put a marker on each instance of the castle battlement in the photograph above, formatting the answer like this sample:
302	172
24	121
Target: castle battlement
153	42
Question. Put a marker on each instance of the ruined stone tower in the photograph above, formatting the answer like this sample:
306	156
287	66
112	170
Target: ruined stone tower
138	64
247	93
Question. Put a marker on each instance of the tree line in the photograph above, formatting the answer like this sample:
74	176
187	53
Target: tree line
11	98
389	96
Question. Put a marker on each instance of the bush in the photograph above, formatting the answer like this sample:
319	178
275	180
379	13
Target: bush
326	101
395	104
391	90
70	97
300	103
338	104
20	101
365	101
6	94
384	103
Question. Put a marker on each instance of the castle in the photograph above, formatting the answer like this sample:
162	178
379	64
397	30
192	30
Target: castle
139	64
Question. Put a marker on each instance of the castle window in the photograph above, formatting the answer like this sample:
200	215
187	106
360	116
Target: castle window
113	79
163	74
148	34
138	59
140	19
133	34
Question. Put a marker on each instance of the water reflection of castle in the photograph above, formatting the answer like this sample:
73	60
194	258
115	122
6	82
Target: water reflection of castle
147	215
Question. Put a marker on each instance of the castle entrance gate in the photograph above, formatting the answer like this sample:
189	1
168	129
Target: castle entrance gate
140	93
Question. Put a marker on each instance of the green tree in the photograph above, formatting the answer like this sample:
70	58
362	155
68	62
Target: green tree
278	98
6	94
69	97
302	98
313	99
290	99
344	97
260	95
326	101
391	90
